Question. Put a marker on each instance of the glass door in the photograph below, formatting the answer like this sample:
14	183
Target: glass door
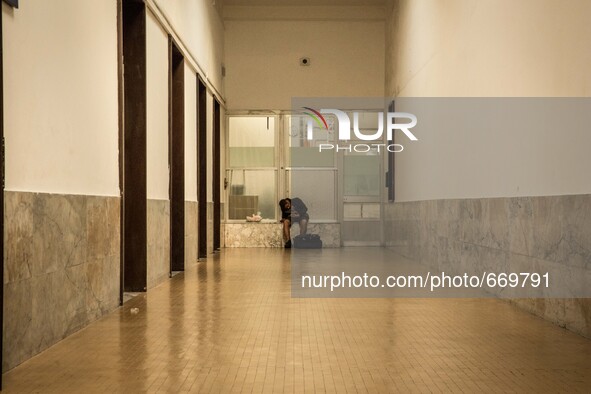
311	173
362	188
251	173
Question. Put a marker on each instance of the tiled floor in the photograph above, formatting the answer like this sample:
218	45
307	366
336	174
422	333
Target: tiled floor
230	325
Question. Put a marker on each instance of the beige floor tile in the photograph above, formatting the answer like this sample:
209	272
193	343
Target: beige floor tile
230	325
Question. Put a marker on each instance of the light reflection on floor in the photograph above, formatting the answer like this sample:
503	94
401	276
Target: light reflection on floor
230	325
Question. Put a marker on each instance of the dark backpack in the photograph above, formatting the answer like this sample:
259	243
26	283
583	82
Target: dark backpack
307	241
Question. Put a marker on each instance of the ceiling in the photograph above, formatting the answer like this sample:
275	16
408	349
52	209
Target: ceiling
305	3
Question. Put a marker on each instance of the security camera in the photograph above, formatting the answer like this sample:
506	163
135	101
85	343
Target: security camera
304	61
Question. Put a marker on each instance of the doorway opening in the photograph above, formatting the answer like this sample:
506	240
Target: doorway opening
201	169
216	184
176	156
132	149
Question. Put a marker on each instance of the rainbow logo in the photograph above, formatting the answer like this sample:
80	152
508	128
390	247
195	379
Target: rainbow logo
317	116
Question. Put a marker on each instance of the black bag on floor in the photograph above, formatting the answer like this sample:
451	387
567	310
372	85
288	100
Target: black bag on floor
307	241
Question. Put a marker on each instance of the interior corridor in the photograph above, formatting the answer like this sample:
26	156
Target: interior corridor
230	324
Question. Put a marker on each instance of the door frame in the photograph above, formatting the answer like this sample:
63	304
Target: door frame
2	152
216	177
343	198
201	169
176	154
132	146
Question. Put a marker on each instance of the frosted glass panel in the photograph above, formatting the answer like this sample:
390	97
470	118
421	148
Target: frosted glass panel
370	211
317	189
361	211
252	141
311	157
361	176
251	157
352	211
304	152
252	191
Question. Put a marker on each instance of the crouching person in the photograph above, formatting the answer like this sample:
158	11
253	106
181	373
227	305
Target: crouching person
293	211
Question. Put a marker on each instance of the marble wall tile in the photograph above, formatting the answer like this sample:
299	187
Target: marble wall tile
62	268
574	308
449	254
158	239
18	236
521	234
60	237
18	313
330	233
547	223
575	248
65	310
485	223
269	235
223	228
570	313
253	235
101	283
191	232
209	228
478	260
103	239
521	225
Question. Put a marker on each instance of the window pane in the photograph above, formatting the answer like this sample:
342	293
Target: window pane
361	174
317	188
252	191
304	152
252	141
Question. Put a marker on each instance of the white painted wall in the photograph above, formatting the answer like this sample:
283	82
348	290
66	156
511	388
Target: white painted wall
60	97
201	33
491	48
262	61
157	110
60	91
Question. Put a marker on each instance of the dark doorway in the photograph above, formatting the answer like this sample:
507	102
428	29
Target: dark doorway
1	198
217	217
132	140
176	156
201	169
390	174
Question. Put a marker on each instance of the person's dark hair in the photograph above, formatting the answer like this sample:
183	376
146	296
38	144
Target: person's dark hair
282	203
